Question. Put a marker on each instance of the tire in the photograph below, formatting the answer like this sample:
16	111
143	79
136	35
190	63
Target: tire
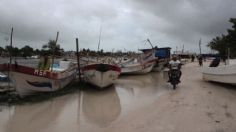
174	86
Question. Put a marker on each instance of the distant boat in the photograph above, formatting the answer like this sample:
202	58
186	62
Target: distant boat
101	75
136	67
5	83
29	80
222	74
163	55
35	57
141	65
3	77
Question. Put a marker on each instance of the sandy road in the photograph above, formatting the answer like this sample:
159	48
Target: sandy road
195	106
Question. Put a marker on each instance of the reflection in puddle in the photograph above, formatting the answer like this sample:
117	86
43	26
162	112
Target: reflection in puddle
36	117
101	107
87	110
139	91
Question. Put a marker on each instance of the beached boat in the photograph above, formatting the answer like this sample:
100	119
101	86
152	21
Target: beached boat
5	83
159	66
101	75
3	77
163	55
141	65
137	67
222	74
28	80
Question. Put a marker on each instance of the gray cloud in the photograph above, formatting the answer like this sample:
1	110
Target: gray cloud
188	20
125	24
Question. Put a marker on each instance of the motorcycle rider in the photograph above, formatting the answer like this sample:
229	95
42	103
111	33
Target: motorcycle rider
174	64
200	58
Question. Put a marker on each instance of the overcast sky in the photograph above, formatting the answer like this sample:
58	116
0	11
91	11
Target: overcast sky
125	23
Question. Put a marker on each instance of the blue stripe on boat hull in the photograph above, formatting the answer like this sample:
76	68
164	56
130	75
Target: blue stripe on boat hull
40	84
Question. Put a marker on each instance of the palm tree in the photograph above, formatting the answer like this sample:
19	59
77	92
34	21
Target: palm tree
51	47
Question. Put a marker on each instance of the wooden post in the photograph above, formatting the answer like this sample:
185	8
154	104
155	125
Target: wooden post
9	65
11	46
53	51
78	57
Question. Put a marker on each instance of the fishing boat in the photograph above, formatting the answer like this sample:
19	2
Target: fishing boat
101	75
28	80
160	65
3	77
163	55
135	67
140	65
222	74
5	83
100	72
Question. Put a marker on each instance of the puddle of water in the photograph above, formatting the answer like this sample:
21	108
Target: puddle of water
87	110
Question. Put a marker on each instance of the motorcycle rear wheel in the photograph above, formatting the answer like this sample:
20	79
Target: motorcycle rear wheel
174	86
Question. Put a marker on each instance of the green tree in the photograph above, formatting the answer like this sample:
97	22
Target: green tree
223	42
37	52
13	51
2	50
51	47
27	51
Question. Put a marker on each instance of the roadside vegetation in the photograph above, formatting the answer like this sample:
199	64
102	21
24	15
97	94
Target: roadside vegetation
47	49
226	42
28	51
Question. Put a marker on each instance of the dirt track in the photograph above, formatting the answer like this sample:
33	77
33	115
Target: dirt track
195	106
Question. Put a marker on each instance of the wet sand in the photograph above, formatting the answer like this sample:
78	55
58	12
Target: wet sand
133	104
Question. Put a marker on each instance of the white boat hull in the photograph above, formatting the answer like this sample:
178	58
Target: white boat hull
222	74
28	80
24	83
137	68
101	79
158	67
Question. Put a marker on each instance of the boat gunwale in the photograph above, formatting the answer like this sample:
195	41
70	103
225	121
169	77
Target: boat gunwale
55	75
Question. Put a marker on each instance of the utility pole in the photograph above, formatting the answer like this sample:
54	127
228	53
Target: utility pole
200	50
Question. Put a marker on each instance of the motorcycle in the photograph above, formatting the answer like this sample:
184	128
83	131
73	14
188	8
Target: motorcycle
200	58
174	78
200	62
